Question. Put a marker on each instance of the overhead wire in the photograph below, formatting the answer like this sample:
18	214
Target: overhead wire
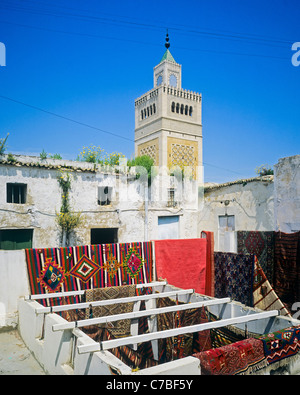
89	126
65	118
116	20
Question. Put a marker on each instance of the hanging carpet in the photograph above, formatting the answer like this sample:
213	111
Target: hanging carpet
234	276
119	328
182	262
86	267
210	267
264	296
281	344
240	358
180	346
261	244
287	268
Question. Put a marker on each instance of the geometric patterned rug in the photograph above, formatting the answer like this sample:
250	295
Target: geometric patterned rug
77	268
234	276
260	243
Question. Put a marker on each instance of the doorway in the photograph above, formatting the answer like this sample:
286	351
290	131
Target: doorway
104	235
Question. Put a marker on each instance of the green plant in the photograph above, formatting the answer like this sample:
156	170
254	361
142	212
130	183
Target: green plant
142	161
11	158
43	154
91	154
56	156
3	144
264	170
66	219
113	159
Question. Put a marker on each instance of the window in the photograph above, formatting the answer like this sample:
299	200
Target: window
173	80
148	111
171	198
16	239
168	227
181	109
104	235
227	222
159	80
16	193
104	196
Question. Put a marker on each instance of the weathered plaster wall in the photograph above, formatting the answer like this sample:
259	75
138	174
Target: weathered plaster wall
287	194
135	219
250	201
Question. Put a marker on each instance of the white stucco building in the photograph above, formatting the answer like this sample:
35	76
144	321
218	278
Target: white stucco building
113	206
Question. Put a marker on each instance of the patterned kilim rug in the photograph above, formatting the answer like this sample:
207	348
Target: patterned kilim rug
240	358
261	244
183	345
264	296
234	276
287	267
134	359
88	267
281	344
119	328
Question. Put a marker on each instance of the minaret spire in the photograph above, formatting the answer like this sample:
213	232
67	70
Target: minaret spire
167	44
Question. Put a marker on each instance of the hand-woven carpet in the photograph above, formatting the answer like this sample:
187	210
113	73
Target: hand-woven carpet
87	267
183	345
210	266
234	276
261	244
182	262
264	296
240	358
281	344
119	328
287	267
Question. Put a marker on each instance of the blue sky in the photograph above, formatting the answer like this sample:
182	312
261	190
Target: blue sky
87	61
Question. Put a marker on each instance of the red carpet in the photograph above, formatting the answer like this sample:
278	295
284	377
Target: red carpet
182	263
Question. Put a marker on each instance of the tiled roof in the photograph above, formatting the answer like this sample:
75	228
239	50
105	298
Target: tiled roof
168	56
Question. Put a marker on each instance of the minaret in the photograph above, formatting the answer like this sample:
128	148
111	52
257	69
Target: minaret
168	119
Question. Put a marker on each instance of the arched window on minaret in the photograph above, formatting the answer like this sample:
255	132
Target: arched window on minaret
173	106
177	108
191	111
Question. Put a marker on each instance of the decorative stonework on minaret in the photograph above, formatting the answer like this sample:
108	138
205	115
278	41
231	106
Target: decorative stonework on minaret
167	72
168	119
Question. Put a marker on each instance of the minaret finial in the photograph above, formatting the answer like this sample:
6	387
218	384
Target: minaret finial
167	44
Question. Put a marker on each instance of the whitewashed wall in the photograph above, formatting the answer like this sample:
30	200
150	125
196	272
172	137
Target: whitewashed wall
287	194
251	202
135	219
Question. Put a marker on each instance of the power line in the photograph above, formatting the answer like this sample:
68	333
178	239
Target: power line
66	118
146	43
175	27
92	127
